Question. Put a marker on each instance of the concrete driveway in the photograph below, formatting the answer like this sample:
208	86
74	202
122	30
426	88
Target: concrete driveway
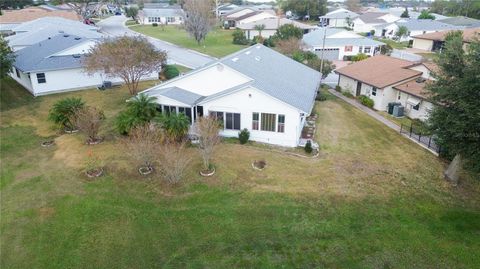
114	26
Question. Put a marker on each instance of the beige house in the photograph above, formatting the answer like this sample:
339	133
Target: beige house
271	26
435	41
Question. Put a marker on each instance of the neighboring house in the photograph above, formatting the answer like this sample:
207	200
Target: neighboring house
246	15
398	11
271	26
386	79
256	88
462	21
340	43
338	18
12	18
435	41
166	15
55	65
226	8
367	22
32	32
415	27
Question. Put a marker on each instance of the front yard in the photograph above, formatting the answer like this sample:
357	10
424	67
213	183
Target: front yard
217	44
373	199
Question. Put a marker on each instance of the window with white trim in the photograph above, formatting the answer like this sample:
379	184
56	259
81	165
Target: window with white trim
366	49
232	121
281	123
255	120
41	78
268	122
217	115
170	19
374	91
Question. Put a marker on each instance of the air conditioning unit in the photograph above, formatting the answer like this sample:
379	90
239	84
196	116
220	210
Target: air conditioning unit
398	111
390	107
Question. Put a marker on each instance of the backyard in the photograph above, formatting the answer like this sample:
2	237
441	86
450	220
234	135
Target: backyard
372	199
218	42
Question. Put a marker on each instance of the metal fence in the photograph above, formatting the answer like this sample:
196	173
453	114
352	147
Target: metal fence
421	136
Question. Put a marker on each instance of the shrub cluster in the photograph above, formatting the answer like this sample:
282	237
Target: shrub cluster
154	24
239	37
243	136
171	71
308	147
321	96
366	101
347	94
338	88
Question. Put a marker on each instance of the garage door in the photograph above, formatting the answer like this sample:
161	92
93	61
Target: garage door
329	54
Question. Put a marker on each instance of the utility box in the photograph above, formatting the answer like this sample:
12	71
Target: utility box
398	111
390	107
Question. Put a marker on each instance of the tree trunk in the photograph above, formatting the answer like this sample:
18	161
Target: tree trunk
453	170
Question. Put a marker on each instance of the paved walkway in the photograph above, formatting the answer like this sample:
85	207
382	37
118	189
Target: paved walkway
378	117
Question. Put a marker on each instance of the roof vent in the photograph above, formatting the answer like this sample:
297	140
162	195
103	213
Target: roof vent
235	59
76	55
49	38
258	58
65	35
248	52
420	80
78	38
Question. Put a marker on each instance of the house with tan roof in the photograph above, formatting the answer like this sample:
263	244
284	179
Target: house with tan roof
435	41
246	15
386	79
12	18
271	26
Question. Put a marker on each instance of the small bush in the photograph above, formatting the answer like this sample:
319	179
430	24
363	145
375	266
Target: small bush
338	88
321	96
171	71
154	24
359	57
243	136
269	42
347	94
366	101
239	37
308	147
298	56
63	112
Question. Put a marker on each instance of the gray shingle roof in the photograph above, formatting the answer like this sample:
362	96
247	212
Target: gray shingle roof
49	22
163	12
38	57
177	94
340	14
462	21
315	39
372	17
33	37
427	25
277	75
272	24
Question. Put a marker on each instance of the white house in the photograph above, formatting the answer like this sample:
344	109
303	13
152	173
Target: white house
338	18
369	20
415	27
340	43
162	15
271	26
55	65
386	79
246	15
256	88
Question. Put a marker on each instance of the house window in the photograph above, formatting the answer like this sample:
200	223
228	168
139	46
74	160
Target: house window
170	19
348	48
232	121
416	107
374	91
18	73
217	115
281	124
255	120
170	109
366	49
268	122
399	96
41	78
187	111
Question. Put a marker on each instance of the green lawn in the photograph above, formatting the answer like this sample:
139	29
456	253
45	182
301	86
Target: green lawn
394	44
218	42
372	200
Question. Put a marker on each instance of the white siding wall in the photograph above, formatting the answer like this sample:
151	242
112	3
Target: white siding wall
337	23
23	80
423	111
250	34
163	20
252	100
260	16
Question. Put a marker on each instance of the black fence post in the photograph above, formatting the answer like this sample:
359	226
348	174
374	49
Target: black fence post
429	141
419	136
401	128
411	130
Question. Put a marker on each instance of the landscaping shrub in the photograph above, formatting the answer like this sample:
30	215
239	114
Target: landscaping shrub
269	42
359	57
63	112
321	96
243	136
298	56
239	37
154	24
171	71
175	125
347	94
308	147
366	101
338	88
140	110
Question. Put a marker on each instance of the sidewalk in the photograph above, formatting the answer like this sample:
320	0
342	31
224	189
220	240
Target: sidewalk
378	117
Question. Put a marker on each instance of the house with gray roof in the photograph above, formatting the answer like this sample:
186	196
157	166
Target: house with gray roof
340	44
367	22
415	27
256	88
338	18
162	15
462	21
56	65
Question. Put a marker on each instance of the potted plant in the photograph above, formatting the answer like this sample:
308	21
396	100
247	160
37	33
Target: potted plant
93	167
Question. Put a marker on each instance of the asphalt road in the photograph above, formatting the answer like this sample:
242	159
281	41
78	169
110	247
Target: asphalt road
114	26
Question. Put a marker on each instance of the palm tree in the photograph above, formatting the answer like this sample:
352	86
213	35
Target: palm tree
63	112
175	125
141	109
260	28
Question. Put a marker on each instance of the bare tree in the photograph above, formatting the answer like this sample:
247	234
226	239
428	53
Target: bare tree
289	46
207	129
353	5
143	144
128	57
81	7
88	120
174	160
198	18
